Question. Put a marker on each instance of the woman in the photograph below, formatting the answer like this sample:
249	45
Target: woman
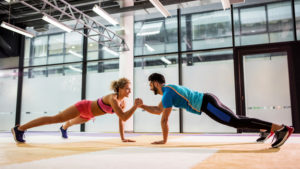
85	110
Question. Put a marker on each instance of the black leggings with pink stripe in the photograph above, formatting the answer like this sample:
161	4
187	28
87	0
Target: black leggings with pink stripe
216	110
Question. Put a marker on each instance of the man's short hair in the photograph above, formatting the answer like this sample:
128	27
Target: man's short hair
156	77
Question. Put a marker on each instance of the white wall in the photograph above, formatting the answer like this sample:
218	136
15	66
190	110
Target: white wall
209	77
266	86
47	96
144	121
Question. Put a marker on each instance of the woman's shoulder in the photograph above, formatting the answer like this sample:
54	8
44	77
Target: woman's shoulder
110	96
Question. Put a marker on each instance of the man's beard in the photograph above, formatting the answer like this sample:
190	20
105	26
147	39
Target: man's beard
155	90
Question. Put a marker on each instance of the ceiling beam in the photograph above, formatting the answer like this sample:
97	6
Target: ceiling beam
33	18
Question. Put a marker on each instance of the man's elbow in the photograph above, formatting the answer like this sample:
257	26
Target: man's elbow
160	111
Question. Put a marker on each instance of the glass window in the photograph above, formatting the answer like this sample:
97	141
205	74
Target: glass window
144	66
205	26
280	22
156	36
209	72
56	49
48	95
73	44
99	77
40	49
56	44
253	26
97	51
266	23
8	98
156	61
27	54
297	12
209	30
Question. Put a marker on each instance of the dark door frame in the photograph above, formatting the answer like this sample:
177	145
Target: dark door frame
291	49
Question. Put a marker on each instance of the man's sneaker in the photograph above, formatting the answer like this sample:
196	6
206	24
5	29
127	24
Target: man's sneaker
63	132
263	136
18	135
282	135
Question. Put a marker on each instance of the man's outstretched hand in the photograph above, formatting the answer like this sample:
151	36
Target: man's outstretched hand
159	142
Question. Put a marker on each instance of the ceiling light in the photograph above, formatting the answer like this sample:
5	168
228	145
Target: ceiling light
148	33
150	29
225	4
110	51
75	54
149	48
165	60
75	69
58	24
160	8
105	15
16	29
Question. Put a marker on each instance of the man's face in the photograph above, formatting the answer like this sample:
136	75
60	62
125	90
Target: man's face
153	87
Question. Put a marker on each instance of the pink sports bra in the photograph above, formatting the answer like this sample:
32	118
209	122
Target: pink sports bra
104	107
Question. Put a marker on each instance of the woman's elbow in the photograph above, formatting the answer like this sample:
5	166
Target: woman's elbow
122	117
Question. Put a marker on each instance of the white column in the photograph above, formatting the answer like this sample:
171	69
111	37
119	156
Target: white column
126	58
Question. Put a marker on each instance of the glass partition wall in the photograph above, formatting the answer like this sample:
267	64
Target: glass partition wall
8	98
263	23
297	17
49	90
206	52
143	67
53	62
52	79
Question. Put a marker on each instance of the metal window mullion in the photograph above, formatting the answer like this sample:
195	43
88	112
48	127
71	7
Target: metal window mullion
64	53
47	60
294	20
267	22
232	26
179	65
84	72
20	82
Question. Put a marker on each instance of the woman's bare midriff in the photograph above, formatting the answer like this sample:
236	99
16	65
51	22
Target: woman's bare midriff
96	110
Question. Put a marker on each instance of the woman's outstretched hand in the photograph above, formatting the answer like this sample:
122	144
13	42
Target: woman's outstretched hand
128	140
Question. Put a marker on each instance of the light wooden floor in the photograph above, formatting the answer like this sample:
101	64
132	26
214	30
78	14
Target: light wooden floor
93	150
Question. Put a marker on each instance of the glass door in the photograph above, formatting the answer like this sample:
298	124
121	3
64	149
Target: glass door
266	87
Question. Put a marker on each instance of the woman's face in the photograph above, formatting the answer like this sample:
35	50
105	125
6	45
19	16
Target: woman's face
125	91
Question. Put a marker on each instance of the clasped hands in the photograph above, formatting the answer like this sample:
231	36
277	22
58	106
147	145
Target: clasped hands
138	102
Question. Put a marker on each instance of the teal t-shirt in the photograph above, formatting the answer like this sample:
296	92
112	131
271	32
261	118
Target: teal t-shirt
182	97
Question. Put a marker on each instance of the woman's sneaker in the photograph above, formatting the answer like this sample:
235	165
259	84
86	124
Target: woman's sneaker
18	135
64	133
263	136
282	135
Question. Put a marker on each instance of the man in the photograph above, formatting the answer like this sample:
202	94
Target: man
195	102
